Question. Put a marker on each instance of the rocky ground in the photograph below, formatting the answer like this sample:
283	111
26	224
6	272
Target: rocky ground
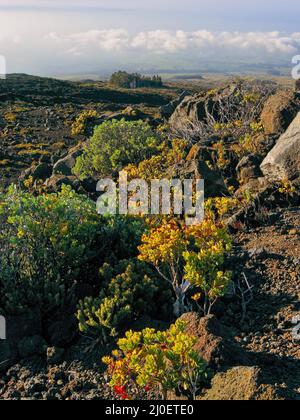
273	271
251	342
269	257
36	116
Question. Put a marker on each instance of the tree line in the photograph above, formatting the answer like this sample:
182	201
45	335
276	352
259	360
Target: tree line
134	80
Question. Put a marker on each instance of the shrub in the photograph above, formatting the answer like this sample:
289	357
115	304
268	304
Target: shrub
80	124
114	145
158	166
287	188
45	243
53	241
120	238
189	257
151	360
128	292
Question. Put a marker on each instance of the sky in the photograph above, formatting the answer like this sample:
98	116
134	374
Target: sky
47	37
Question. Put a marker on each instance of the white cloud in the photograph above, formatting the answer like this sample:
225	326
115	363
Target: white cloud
111	39
161	41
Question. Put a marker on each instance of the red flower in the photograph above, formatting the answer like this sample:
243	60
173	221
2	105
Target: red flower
147	388
121	391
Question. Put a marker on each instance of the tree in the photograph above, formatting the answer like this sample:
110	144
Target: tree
126	80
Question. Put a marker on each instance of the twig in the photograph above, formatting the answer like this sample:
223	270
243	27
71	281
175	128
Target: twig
244	291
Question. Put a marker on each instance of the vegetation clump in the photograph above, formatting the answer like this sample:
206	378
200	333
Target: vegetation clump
80	124
157	361
189	258
114	145
46	242
128	292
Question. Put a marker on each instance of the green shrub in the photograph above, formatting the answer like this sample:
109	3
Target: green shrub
120	238
129	291
150	360
52	242
114	145
45	242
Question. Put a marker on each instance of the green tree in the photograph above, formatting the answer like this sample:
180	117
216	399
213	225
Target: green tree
126	80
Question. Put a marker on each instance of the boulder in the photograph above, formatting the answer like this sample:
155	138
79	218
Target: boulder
279	111
41	171
167	110
283	161
195	167
189	112
195	109
64	166
254	186
249	168
214	342
55	182
214	185
240	384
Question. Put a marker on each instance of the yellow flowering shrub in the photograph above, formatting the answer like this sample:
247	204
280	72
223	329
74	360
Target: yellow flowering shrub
189	257
158	165
157	360
79	125
287	188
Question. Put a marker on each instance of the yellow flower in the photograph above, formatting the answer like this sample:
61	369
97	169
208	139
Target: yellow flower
21	233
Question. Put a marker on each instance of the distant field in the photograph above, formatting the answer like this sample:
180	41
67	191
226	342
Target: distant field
189	80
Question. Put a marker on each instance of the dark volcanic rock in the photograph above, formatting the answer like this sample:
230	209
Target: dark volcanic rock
64	166
240	384
214	342
249	168
166	111
42	171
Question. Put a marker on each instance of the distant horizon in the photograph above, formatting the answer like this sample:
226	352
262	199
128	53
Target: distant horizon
46	37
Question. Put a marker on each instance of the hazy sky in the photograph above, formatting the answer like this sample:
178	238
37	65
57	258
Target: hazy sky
69	36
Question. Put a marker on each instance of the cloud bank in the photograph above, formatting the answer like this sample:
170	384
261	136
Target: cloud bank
162	41
61	52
